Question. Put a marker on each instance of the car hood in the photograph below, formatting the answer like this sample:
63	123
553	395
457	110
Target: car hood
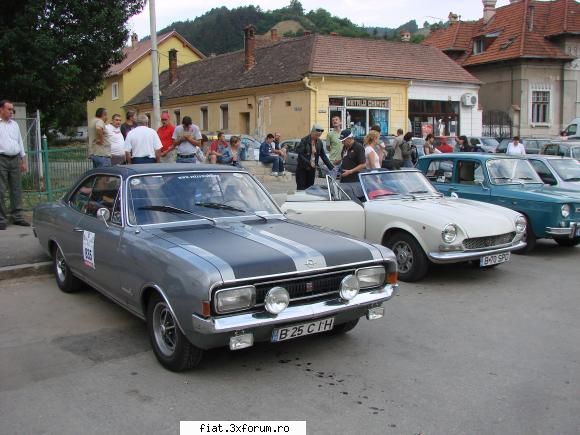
245	250
438	212
543	192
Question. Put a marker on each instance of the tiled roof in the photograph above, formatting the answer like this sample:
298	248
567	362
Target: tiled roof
522	30
143	48
290	60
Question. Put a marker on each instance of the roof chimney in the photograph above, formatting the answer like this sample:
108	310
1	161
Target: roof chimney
250	45
333	34
488	10
405	35
274	34
134	40
172	65
453	18
307	32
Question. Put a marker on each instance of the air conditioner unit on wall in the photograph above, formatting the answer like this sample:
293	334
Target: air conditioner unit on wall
468	100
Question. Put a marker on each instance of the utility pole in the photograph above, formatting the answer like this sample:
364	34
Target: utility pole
156	116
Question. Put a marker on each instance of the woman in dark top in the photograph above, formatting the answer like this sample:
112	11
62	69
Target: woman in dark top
310	150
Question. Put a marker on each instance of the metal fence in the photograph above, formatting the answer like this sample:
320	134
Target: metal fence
497	124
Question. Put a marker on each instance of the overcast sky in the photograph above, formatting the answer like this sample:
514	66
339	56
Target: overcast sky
383	13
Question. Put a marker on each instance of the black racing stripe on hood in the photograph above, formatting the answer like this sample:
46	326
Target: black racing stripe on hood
336	250
247	258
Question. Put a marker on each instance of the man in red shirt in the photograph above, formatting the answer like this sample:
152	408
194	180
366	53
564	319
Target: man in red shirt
217	147
165	133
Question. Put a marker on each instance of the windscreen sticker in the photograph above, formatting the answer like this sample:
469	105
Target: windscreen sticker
89	249
194	176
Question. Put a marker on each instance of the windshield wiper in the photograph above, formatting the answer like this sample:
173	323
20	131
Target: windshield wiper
573	179
501	178
525	178
416	192
221	206
175	210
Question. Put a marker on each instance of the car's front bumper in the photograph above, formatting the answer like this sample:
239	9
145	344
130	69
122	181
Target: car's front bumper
248	321
570	232
457	256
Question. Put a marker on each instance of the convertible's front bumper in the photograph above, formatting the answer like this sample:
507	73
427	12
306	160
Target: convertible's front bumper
245	321
455	257
570	232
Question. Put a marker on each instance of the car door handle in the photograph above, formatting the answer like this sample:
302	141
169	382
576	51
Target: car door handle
78	230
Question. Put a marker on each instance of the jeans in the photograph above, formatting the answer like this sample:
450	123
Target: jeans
186	160
408	164
141	160
100	161
10	182
277	163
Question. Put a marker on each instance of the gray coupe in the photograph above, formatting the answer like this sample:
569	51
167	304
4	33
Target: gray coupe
206	257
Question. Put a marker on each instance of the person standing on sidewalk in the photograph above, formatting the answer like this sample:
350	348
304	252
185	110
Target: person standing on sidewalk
353	158
99	152
114	140
310	150
129	123
397	151
165	132
142	144
187	140
333	141
12	163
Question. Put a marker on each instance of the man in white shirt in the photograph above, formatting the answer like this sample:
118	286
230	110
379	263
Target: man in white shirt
114	139
142	144
12	163
516	148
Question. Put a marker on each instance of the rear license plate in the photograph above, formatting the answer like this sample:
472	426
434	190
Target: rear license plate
490	260
295	331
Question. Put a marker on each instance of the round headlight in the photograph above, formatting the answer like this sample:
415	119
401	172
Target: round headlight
449	233
565	211
349	287
277	299
521	224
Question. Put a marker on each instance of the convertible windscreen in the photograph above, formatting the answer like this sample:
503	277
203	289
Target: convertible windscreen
383	185
511	171
162	198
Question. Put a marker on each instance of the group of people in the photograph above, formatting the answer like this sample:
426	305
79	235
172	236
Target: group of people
134	142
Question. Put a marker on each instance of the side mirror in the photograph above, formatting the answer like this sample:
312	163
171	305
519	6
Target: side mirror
454	195
104	214
549	180
482	184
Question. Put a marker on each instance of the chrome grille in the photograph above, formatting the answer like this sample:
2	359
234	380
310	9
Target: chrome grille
477	243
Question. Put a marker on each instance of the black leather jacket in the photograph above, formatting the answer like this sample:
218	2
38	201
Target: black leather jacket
304	151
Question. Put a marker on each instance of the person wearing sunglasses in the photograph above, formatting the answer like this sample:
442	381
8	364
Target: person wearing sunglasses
310	150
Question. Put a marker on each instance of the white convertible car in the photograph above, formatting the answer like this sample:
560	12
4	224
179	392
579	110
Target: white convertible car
403	211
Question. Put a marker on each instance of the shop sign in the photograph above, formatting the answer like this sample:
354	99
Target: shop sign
368	102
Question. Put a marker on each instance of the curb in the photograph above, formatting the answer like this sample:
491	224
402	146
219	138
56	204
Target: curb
24	270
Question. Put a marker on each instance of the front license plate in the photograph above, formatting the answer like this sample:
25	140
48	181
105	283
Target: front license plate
295	331
490	260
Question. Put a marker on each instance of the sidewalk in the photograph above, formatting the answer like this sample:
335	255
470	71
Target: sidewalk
21	254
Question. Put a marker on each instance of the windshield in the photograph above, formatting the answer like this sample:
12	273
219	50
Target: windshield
383	185
568	170
185	196
511	171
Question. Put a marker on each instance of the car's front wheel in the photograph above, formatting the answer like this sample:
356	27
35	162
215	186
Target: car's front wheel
412	262
65	280
568	242
170	346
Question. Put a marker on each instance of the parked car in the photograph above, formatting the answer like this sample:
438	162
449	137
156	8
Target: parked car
572	131
532	145
402	210
446	144
562	149
484	144
205	256
292	156
560	172
510	182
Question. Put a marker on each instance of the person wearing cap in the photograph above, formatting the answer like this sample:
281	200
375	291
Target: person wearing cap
310	150
187	140
353	157
165	133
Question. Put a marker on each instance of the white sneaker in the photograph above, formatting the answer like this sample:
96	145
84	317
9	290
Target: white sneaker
281	174
274	174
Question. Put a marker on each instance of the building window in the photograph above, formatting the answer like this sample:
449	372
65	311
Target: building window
541	107
203	118
177	113
115	90
224	110
478	46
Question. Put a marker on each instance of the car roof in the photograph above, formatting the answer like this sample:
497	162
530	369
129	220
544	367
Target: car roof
128	170
483	156
548	157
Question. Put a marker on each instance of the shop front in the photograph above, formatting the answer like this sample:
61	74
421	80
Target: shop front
438	117
360	113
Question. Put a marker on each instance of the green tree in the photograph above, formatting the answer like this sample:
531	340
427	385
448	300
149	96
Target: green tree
55	53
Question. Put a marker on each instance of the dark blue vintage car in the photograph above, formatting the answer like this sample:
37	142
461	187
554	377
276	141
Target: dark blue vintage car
511	182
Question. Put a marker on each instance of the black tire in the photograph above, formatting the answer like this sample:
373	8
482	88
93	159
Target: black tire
343	328
412	263
569	243
65	279
171	348
529	238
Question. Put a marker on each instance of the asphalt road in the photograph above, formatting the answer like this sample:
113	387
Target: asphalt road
464	352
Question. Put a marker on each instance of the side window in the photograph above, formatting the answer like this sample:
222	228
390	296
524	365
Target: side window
470	172
543	171
80	198
571	130
105	194
440	171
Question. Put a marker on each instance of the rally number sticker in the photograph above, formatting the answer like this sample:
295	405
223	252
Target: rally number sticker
89	249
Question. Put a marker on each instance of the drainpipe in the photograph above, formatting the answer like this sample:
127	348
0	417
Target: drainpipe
306	81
